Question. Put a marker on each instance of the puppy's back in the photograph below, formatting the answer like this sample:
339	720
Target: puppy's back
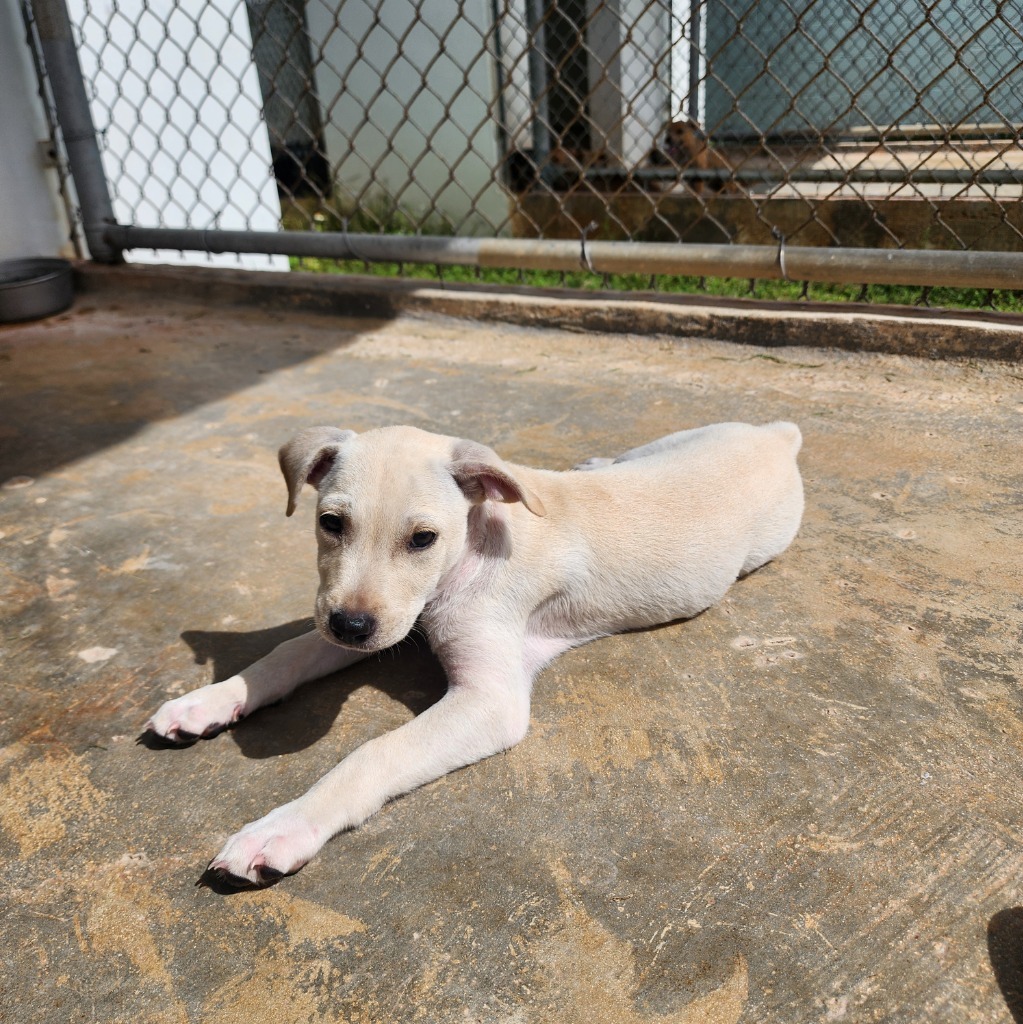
669	532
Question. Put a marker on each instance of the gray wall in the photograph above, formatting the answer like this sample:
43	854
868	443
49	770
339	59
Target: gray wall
407	91
32	219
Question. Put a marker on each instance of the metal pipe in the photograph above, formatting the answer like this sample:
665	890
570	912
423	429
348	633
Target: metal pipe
503	144
926	133
334	245
835	175
692	110
538	86
77	129
925	267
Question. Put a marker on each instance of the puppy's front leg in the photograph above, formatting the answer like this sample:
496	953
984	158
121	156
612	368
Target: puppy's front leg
485	710
209	709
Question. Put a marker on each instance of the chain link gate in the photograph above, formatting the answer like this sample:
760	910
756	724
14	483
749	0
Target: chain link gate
828	140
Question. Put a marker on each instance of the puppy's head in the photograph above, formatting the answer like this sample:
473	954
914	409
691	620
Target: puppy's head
391	521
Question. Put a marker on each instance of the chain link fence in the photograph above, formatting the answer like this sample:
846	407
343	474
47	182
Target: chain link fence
788	131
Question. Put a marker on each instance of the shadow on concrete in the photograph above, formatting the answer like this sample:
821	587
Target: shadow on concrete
231	886
146	344
1005	948
131	352
209	879
407	673
228	653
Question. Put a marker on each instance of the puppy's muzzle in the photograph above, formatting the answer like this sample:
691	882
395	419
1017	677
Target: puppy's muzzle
353	629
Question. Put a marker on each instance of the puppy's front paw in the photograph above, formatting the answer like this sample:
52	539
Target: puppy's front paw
265	850
203	712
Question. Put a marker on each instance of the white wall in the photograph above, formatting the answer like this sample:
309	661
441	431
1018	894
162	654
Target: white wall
174	92
645	77
32	219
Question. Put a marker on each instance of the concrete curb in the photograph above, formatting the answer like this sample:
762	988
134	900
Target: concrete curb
932	334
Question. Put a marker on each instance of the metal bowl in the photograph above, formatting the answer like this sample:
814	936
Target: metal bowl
34	288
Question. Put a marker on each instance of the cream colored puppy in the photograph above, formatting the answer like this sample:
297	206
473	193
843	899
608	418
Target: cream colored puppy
505	568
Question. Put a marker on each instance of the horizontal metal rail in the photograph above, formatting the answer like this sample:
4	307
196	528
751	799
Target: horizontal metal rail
835	175
881	134
924	267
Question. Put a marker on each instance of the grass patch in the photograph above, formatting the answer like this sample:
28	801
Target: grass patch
998	300
382	214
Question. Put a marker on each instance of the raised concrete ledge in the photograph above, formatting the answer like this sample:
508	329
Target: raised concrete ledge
933	334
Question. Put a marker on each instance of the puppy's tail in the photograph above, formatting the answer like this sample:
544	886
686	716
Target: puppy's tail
790	432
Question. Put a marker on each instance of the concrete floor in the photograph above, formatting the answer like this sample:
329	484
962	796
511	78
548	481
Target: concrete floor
803	805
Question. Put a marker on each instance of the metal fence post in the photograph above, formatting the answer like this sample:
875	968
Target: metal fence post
538	87
60	59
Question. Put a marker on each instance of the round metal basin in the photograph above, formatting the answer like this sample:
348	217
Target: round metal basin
34	288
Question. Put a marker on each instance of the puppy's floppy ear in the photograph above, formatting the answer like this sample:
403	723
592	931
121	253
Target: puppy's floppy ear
482	475
307	458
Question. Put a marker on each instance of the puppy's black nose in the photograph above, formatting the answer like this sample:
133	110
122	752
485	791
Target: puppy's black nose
354	628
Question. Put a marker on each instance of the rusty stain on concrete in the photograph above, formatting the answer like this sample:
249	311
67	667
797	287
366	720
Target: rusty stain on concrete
119	920
44	794
591	974
289	972
589	734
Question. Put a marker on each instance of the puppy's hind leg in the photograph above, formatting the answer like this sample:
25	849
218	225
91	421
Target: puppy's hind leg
662	444
594	463
671	442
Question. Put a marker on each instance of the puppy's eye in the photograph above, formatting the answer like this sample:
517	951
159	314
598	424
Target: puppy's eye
332	523
422	539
